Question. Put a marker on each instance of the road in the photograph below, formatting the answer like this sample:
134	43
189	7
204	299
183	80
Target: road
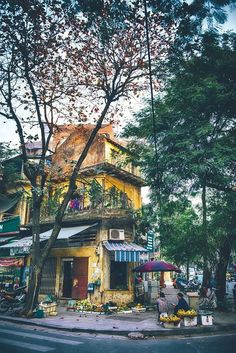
27	339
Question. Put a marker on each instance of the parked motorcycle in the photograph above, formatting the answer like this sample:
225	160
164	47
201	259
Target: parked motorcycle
13	301
193	286
181	284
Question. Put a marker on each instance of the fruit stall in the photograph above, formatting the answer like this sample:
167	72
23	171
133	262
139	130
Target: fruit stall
189	317
170	321
85	306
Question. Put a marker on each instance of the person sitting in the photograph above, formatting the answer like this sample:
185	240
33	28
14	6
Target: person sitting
162	305
182	304
207	298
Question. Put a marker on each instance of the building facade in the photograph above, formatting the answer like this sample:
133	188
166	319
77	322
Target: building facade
95	251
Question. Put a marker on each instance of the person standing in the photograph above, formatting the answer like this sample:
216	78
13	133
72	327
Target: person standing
162	305
182	304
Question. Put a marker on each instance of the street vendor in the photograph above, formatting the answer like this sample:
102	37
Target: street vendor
182	304
162	305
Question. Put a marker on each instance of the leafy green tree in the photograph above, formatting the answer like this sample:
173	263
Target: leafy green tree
195	129
181	239
222	225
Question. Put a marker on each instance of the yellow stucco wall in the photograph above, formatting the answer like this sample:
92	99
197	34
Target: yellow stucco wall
89	252
101	262
107	181
133	192
114	156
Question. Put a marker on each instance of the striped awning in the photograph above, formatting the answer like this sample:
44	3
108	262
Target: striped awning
127	252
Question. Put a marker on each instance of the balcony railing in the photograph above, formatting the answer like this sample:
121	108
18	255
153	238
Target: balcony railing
92	200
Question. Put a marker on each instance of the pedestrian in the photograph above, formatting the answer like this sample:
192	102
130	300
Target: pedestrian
182	304
139	279
162	305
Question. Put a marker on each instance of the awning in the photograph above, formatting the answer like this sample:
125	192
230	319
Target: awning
9	261
66	233
25	243
127	252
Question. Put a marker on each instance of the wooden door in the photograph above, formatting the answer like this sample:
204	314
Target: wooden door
80	278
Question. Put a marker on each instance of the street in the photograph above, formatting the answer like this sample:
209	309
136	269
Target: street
28	339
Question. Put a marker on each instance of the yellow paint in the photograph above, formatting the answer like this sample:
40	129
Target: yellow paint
102	151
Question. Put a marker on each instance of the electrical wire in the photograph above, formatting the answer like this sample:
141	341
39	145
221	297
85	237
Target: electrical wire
151	83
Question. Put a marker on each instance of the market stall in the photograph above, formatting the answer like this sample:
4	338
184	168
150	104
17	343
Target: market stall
11	270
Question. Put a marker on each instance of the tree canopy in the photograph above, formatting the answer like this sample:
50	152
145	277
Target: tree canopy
195	134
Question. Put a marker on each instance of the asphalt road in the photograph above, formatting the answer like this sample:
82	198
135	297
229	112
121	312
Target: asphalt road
27	339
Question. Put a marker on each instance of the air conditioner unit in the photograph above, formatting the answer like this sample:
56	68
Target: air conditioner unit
116	234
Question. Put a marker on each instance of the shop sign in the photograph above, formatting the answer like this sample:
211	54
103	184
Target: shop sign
20	251
8	262
150	241
10	225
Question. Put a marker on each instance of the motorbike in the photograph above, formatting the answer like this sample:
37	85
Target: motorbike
193	286
13	301
180	283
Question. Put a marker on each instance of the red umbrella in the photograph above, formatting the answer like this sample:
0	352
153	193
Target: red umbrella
156	266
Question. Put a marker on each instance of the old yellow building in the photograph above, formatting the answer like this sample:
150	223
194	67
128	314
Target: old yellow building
95	251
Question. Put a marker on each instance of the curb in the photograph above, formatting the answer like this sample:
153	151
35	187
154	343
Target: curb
148	333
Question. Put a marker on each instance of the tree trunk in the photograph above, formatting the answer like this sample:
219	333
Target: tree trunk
221	269
33	290
187	265
206	269
36	259
225	251
39	257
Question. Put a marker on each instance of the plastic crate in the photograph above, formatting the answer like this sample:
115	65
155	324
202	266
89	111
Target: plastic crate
190	321
206	320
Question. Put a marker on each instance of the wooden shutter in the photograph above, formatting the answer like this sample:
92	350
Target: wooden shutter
48	279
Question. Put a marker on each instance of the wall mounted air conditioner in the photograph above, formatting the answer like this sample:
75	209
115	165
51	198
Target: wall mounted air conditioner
116	234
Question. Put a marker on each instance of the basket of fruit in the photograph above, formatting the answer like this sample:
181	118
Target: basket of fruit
139	308
170	321
187	313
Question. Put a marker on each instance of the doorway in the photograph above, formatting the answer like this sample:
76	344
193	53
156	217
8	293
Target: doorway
67	280
75	278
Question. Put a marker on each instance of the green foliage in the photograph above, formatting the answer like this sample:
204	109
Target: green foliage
11	167
195	134
51	202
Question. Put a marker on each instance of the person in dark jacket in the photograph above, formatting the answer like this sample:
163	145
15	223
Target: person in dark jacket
182	304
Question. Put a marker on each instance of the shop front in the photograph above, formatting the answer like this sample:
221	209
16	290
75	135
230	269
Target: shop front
118	262
11	272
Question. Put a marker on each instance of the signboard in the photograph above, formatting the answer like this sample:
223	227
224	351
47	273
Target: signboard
150	241
10	226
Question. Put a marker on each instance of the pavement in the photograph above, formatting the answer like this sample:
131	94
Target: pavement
124	323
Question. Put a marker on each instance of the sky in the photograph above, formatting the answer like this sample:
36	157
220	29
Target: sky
8	129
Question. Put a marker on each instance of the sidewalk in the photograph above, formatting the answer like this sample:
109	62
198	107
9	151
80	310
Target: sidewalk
123	324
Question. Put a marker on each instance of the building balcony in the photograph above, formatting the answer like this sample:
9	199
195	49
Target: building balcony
100	204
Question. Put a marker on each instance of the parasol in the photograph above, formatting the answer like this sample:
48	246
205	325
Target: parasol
156	266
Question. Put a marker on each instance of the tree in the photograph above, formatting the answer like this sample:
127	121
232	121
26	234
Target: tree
195	129
62	63
222	224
